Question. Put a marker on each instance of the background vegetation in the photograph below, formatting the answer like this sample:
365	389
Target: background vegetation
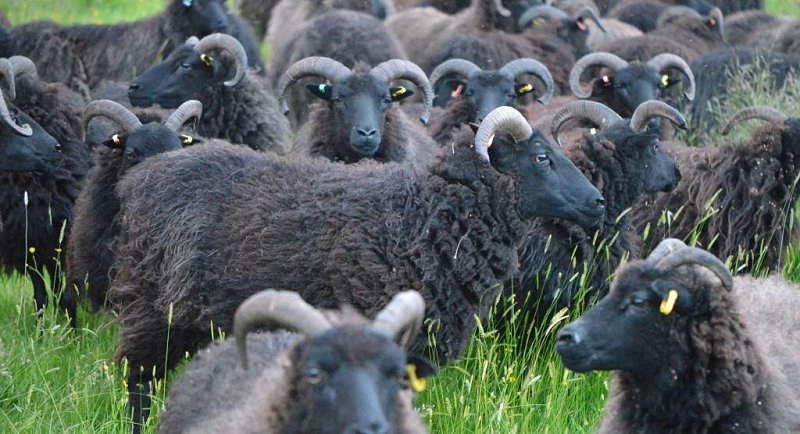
53	379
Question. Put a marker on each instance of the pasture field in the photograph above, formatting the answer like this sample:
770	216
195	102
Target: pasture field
54	379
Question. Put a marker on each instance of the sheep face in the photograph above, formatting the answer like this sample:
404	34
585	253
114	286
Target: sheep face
38	152
629	87
359	103
201	17
145	142
486	91
549	184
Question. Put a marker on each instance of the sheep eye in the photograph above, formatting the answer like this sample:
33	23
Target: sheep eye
186	66
638	301
656	147
314	376
542	159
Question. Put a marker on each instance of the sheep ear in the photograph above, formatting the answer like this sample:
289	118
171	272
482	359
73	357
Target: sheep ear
524	88
474	127
116	141
675	298
399	93
322	90
187	140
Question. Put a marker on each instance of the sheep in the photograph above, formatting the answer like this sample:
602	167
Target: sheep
691	348
759	30
476	92
39	182
450	230
238	106
345	36
256	13
644	14
95	224
356	118
547	22
82	56
748	190
340	373
624	161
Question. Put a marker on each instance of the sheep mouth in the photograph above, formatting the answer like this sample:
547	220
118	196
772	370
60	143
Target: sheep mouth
575	357
365	150
590	218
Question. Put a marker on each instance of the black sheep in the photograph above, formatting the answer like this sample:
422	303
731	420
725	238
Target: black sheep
692	349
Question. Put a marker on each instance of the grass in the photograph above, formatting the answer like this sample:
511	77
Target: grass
53	379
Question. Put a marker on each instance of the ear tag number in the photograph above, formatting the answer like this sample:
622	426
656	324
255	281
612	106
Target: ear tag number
417	384
668	304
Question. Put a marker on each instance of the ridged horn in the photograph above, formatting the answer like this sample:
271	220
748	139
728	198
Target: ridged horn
608	60
650	109
598	113
501	120
764	113
518	67
695	256
589	13
545	11
395	69
664	248
498	6
405	312
188	110
668	60
271	308
113	111
23	130
7	76
221	41
324	67
461	67
23	65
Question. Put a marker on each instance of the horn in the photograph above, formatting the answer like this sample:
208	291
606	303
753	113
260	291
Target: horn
23	65
113	111
453	66
396	69
221	41
608	60
324	67
279	309
192	41
695	256
664	248
544	11
22	130
650	109
188	110
501	120
405	311
7	75
590	13
765	113
596	112
716	14
668	60
498	6
518	67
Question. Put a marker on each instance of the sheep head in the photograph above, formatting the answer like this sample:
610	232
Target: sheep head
625	85
487	90
549	184
200	17
190	71
358	98
572	29
351	372
24	145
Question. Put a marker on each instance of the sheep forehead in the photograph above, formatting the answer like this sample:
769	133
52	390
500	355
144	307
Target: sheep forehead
153	138
360	83
490	79
351	345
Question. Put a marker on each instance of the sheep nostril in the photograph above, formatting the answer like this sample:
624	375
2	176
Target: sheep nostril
366	133
566	337
600	202
133	86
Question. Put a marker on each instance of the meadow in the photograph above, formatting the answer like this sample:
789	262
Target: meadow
54	379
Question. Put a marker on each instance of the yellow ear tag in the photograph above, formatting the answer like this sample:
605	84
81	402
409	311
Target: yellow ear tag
206	59
665	80
527	87
668	304
593	131
538	21
417	384
186	139
399	92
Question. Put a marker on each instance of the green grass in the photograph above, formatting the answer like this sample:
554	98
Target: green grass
53	379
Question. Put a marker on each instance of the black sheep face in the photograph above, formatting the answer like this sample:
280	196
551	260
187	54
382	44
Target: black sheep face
359	104
145	142
629	87
36	153
348	381
201	17
487	91
184	75
549	184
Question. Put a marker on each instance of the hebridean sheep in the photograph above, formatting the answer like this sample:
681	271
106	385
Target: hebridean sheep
345	36
222	221
340	373
357	117
737	198
95	225
238	106
256	13
691	348
83	56
36	202
547	22
644	14
624	161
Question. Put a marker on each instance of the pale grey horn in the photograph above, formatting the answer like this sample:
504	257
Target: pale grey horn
764	113
113	111
498	6
461	67
324	67
221	41
695	256
406	312
650	109
5	114
544	11
395	69
7	76
23	65
518	67
188	110
598	113
608	60
668	60
501	120
664	248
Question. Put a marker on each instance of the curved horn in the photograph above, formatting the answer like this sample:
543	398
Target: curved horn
518	67
501	120
543	11
405	311
188	110
650	109
608	60
765	113
23	65
664	248
221	41
7	75
695	256
668	60
589	13
596	112
453	66
5	114
498	6
113	111
192	41
396	68
324	67
275	308
716	18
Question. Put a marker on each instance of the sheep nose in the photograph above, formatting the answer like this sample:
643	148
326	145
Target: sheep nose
600	202
133	86
369	133
568	336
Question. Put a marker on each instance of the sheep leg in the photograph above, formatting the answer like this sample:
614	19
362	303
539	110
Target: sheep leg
67	302
138	399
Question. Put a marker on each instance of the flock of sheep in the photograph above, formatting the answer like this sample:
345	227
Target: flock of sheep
394	169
